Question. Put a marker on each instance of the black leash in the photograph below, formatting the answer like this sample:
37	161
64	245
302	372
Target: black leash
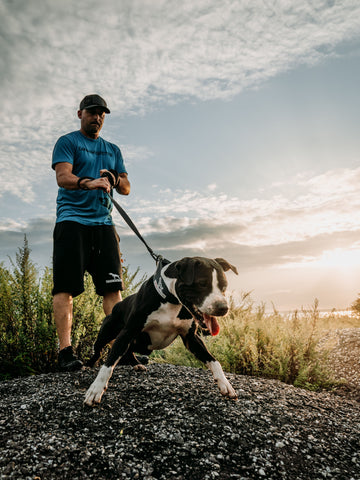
131	224
159	284
158	281
114	179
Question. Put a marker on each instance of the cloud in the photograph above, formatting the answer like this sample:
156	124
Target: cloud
146	51
143	53
334	182
324	204
255	234
39	236
258	232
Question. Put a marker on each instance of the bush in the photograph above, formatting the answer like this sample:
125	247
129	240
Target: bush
28	339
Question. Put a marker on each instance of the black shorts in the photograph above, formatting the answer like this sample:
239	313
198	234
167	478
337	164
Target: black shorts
79	248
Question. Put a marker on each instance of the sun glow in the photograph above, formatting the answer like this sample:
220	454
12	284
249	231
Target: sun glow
336	259
339	259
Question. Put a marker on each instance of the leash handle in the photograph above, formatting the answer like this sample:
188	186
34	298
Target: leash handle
134	229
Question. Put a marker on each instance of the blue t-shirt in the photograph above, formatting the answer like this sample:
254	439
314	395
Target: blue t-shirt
88	157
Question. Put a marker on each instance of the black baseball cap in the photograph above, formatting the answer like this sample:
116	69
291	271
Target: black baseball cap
91	101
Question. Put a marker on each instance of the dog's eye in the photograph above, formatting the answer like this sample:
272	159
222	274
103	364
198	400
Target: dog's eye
202	283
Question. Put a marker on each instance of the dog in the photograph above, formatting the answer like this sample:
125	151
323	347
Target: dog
180	297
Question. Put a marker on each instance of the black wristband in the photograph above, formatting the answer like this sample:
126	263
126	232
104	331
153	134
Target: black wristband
116	175
81	179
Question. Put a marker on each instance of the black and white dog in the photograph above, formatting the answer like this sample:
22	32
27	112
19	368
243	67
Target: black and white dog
174	301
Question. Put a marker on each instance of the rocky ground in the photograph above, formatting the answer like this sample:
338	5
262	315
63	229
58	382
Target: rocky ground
171	423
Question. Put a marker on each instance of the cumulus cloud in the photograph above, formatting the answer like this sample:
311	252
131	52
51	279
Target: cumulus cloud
276	218
135	153
142	53
256	233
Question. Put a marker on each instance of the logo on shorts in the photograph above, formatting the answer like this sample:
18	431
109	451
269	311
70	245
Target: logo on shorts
115	278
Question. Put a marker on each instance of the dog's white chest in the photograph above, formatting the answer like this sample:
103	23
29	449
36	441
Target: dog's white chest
163	326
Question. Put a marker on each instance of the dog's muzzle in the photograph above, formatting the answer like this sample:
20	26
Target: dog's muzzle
209	321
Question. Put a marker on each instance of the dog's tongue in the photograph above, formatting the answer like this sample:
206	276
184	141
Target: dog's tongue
212	324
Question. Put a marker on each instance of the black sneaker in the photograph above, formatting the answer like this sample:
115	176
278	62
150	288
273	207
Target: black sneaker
67	360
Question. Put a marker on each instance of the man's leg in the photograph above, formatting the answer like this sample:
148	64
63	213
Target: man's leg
63	311
110	299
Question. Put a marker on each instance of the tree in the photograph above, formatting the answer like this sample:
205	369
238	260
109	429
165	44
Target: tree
355	306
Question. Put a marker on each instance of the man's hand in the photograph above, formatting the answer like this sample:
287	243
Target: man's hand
118	181
101	183
112	176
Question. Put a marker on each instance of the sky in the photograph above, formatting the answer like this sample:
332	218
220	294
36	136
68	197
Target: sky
238	122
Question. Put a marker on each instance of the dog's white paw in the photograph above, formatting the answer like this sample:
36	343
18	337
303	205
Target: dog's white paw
224	385
93	395
227	389
98	387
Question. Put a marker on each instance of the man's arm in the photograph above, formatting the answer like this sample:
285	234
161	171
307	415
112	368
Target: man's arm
124	185
66	179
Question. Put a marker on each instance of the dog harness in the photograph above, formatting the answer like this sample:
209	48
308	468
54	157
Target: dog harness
160	285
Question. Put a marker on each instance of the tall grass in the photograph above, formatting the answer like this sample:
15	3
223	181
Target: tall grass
275	346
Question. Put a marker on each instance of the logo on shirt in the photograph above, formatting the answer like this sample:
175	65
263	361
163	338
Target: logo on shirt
84	149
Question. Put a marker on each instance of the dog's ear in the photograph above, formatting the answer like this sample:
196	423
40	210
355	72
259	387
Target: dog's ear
186	270
225	265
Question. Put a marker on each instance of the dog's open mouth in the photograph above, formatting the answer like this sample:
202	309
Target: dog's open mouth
205	321
211	324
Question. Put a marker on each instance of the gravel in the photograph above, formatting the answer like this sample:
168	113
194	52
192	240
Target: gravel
171	423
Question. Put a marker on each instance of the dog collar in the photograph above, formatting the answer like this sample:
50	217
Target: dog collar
161	286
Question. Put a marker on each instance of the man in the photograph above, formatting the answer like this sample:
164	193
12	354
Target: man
87	167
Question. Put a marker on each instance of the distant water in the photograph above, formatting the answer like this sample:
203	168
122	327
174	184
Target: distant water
322	313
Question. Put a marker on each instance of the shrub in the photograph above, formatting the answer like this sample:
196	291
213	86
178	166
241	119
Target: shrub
28	339
27	333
